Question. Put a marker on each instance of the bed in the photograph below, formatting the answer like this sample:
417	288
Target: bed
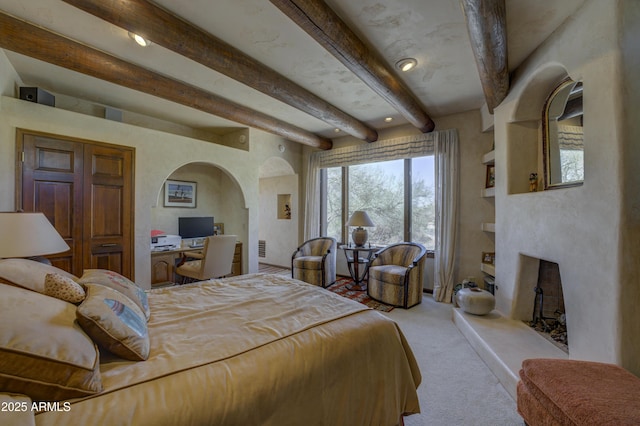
256	349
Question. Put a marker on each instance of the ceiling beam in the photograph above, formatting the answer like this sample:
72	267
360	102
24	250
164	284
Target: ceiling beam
487	26
326	27
173	33
27	39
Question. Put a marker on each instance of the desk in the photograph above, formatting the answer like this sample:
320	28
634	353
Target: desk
357	256
163	264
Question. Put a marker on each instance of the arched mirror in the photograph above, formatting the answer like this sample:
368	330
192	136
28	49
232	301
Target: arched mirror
563	137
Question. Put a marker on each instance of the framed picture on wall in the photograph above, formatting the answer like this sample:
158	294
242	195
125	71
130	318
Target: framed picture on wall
491	177
218	229
179	193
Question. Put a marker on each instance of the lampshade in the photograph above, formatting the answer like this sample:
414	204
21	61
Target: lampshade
27	235
360	218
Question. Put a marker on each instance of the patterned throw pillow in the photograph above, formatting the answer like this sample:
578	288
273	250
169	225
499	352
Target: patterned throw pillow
63	288
114	322
117	282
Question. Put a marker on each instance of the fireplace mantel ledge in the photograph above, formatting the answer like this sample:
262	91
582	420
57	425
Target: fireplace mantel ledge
503	344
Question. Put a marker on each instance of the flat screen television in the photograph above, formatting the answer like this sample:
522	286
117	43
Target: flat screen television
195	227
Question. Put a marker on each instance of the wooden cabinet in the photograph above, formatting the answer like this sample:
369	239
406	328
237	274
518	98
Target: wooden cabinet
85	189
163	265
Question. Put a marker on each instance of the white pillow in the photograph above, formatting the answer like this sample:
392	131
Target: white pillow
29	273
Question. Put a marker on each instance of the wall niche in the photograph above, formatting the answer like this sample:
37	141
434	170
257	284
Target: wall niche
284	206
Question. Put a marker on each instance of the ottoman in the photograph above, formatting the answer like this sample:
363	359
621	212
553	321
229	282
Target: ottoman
569	392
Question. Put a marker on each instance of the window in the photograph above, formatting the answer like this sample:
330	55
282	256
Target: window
398	196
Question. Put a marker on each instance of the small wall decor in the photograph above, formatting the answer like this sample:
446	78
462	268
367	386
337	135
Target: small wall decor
533	182
284	206
218	229
489	258
179	193
491	177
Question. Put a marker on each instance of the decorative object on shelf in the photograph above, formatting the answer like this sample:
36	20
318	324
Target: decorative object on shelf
28	235
218	229
533	182
491	176
488	258
359	218
475	301
284	206
179	194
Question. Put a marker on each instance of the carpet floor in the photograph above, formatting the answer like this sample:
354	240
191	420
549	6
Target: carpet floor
341	288
457	388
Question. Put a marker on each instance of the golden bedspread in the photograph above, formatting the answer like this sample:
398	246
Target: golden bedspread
256	350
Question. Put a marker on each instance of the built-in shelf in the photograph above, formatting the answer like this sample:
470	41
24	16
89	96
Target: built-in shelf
489	157
489	192
488	269
488	227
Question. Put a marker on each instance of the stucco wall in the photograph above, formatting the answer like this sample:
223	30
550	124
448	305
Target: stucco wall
158	154
280	235
580	228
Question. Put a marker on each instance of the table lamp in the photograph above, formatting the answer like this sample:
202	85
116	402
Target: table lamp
28	235
359	218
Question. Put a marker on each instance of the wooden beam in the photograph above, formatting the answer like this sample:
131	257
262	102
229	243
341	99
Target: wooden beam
326	27
36	42
173	33
487	26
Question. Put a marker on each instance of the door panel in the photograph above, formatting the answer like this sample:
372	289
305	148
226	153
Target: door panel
52	184
108	222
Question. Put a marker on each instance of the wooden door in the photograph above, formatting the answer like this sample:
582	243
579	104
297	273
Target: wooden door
108	209
86	190
52	184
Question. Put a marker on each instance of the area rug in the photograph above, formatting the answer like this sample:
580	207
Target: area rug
340	287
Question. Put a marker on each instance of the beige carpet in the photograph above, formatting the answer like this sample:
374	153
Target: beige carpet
457	387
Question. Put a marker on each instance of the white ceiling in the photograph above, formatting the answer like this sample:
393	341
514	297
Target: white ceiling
433	31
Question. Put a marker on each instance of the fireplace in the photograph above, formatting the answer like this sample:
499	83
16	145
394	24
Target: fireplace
549	316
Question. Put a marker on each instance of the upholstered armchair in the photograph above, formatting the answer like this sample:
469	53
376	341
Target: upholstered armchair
395	274
314	261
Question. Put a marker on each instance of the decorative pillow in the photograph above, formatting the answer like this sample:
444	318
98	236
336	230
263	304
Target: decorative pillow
29	273
63	288
114	322
44	353
117	282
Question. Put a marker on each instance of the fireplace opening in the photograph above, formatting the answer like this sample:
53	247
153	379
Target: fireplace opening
549	316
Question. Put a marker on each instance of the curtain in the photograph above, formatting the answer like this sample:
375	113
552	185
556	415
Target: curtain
384	150
446	195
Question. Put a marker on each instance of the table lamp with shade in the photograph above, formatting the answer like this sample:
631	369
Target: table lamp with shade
28	235
359	218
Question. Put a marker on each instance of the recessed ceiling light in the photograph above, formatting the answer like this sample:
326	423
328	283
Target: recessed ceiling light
139	39
388	119
406	64
336	130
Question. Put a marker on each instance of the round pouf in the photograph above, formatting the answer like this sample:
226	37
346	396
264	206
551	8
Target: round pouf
475	301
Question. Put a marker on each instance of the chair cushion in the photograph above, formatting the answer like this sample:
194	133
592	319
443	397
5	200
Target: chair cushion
114	322
190	269
389	274
308	262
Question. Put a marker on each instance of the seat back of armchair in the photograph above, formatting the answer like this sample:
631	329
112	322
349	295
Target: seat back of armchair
401	254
